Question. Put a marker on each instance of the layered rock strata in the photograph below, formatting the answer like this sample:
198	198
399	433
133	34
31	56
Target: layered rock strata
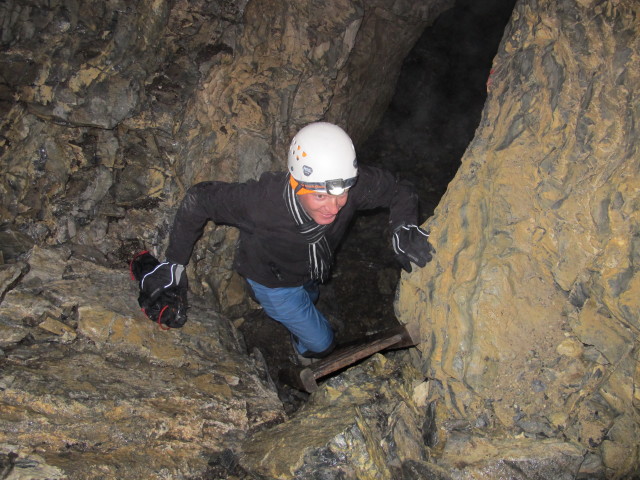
109	112
90	388
530	313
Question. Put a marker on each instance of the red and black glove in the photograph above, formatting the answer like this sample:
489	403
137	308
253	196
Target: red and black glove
163	289
162	277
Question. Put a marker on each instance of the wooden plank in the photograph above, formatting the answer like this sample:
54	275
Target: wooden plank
347	356
306	378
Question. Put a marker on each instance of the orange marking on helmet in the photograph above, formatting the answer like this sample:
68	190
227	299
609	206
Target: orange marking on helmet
300	191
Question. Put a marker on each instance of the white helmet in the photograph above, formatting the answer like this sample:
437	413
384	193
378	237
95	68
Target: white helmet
322	158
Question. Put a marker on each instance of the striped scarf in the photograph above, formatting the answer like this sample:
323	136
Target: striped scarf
320	255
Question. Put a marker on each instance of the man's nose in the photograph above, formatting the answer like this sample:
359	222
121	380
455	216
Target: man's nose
334	206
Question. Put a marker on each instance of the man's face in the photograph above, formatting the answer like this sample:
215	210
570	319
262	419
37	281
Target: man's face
322	207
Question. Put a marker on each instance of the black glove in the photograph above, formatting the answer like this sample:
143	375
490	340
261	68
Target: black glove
163	289
169	309
163	277
411	244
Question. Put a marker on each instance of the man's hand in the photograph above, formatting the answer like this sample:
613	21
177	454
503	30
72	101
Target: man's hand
164	276
411	244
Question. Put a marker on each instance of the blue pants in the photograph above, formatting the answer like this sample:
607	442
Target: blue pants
294	308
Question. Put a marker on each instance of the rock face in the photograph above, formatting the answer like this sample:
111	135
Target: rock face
91	389
530	313
529	365
110	111
113	110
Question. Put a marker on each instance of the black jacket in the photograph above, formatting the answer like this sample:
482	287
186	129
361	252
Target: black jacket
271	251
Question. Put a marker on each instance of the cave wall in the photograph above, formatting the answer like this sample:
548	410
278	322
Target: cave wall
112	110
530	314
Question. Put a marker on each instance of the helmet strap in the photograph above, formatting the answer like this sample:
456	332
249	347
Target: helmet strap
298	189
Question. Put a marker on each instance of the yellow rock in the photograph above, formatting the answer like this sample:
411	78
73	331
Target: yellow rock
570	347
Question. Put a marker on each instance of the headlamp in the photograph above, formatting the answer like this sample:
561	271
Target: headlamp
332	187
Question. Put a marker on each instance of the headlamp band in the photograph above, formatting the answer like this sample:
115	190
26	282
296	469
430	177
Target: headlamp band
332	187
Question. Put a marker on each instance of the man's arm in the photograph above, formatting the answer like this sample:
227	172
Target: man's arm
203	202
189	222
380	188
410	242
219	202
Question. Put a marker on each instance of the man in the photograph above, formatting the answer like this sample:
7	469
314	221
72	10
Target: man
291	223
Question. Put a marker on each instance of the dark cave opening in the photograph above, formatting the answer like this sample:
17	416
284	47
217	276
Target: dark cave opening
422	137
